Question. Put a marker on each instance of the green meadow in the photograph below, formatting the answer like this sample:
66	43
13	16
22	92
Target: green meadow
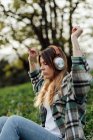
19	100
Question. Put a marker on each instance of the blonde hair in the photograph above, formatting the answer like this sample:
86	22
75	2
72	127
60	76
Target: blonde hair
47	92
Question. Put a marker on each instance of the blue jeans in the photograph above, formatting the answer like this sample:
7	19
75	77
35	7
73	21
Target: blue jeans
19	128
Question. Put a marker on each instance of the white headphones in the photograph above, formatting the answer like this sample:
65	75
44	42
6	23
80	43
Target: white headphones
58	61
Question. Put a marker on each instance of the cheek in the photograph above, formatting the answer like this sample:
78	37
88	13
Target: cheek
51	72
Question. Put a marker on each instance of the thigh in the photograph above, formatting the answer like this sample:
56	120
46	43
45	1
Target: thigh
29	130
3	119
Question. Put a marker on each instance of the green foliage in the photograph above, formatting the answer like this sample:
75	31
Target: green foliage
14	73
35	1
18	64
16	4
1	25
89	118
18	100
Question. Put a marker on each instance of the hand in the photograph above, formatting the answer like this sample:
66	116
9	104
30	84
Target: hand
76	31
33	53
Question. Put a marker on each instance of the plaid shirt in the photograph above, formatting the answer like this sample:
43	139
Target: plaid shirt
68	107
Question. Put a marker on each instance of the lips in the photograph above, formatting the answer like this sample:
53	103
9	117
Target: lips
44	73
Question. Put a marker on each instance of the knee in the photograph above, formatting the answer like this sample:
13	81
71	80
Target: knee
3	119
13	119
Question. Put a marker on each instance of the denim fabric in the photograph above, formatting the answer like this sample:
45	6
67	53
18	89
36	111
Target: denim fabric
2	122
19	128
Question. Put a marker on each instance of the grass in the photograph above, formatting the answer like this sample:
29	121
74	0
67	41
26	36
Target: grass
19	100
89	116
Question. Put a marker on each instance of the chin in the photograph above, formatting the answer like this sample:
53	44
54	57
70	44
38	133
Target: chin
46	77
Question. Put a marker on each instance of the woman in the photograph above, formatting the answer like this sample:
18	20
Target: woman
60	96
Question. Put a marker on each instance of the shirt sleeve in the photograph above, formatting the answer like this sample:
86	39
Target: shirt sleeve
73	126
81	78
81	81
36	80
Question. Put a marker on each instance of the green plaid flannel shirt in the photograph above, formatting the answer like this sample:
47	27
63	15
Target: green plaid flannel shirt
68	107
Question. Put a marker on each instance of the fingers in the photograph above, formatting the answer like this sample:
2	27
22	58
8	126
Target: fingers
77	31
33	51
74	29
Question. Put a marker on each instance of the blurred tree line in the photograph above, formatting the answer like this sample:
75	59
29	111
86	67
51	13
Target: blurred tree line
27	23
12	74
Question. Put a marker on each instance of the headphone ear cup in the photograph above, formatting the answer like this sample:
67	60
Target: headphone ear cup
59	63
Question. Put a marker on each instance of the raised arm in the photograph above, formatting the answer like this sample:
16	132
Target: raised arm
80	75
76	99
32	58
34	70
80	69
78	57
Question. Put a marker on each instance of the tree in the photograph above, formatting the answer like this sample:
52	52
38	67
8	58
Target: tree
43	20
12	74
2	72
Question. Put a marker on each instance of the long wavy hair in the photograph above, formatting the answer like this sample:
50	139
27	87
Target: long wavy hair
47	92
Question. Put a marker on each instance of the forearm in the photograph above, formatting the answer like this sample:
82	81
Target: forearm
76	48
33	66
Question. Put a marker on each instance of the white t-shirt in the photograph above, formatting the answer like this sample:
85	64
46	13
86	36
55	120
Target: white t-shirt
50	124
